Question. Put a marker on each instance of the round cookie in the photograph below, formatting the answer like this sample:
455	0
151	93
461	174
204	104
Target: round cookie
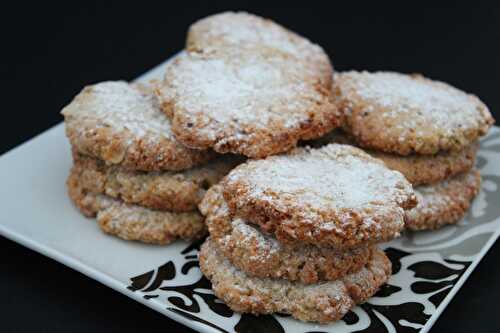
262	256
418	169
247	103
337	196
122	124
407	114
246	31
322	302
132	222
430	169
179	191
248	86
443	203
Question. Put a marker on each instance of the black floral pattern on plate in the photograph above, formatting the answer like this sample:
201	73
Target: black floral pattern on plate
431	277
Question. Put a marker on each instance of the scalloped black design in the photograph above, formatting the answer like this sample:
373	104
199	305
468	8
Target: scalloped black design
150	283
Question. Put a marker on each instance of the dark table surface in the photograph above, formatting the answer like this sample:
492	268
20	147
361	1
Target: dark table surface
50	51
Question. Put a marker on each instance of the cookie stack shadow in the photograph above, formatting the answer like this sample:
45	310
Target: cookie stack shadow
130	172
297	233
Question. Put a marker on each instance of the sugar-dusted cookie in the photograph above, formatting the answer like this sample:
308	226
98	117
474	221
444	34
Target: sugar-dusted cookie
418	169
239	90
336	196
247	103
122	124
132	222
443	203
322	302
246	31
262	256
177	191
407	114
430	169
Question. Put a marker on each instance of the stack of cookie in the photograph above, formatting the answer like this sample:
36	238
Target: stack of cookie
427	130
130	171
295	233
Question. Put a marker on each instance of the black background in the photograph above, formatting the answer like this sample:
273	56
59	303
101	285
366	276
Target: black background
48	53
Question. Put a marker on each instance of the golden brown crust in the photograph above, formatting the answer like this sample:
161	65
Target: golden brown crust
418	169
131	222
443	203
240	92
121	124
262	256
323	302
336	196
163	190
407	114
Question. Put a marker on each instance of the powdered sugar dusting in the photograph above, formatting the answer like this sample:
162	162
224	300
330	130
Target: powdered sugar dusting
322	302
121	107
248	234
282	294
333	177
246	30
249	86
441	196
420	101
239	94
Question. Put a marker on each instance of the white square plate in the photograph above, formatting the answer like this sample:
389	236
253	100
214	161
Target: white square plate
429	267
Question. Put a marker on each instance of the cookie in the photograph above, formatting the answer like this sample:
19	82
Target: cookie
407	114
430	169
261	255
322	302
132	222
246	31
418	169
443	203
179	191
336	196
252	100
122	124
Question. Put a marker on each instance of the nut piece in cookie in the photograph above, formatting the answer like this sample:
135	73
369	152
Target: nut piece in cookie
176	191
122	124
132	222
322	302
255	99
260	255
443	203
336	196
406	114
